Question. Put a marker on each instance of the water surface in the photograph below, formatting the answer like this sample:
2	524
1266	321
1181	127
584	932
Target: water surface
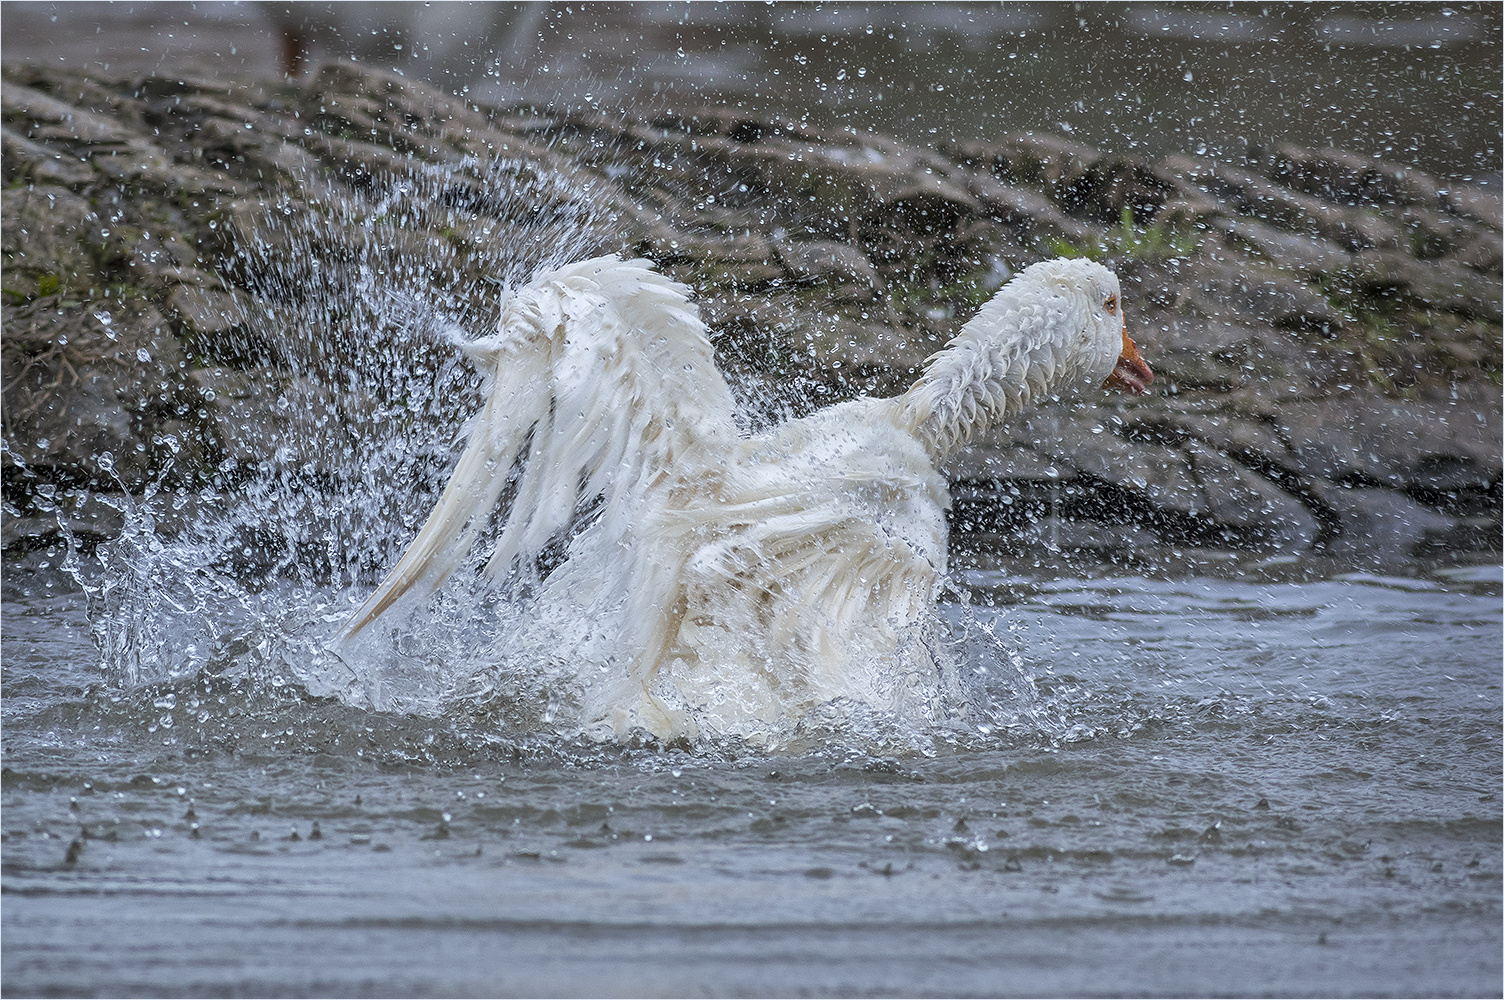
1232	787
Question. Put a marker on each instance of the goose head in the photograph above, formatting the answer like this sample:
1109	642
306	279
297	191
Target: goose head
1097	343
1055	329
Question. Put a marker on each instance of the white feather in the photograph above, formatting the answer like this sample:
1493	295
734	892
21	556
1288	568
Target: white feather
606	366
727	582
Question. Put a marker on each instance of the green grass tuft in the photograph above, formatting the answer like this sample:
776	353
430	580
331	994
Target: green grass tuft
1157	241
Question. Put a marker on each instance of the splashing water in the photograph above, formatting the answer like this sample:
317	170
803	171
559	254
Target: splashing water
358	320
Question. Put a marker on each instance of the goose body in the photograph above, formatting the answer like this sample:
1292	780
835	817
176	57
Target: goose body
723	582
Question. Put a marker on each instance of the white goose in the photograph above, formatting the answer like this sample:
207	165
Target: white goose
726	583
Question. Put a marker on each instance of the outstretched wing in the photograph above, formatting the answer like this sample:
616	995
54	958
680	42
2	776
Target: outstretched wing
600	380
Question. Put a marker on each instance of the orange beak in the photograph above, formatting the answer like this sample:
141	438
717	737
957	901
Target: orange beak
1131	372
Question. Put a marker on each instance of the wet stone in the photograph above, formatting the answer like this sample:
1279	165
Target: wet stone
1304	254
1242	499
205	310
1066	535
27	161
1395	443
52	240
1348	179
1308	314
1381	522
829	262
998	458
259	417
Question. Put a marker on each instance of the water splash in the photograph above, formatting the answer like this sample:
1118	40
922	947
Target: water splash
360	297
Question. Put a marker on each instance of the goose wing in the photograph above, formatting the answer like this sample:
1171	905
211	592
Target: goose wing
600	388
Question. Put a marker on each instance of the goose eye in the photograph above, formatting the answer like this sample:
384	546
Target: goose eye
1111	305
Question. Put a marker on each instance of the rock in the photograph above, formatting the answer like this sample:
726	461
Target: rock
1438	284
1247	293
1148	478
88	383
30	162
1305	254
1333	175
1475	203
189	276
992	461
53	241
1251	438
1383	524
89	517
1464	539
1247	194
261	418
1259	513
51	119
1400	444
1481	251
1320	323
827	262
1056	534
205	310
23	534
85	418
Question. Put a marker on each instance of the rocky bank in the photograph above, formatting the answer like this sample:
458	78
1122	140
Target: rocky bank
1325	329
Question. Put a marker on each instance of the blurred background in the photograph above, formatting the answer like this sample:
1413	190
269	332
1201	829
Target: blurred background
1413	83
